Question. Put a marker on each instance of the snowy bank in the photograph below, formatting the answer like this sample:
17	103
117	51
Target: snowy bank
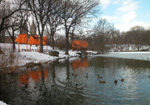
2	103
23	56
36	57
129	55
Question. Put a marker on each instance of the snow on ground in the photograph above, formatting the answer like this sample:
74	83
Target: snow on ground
2	103
129	55
40	57
25	56
128	47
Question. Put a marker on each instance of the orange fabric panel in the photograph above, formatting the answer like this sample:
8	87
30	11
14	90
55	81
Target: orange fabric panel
22	38
36	36
39	41
36	40
33	40
79	44
83	43
17	39
45	37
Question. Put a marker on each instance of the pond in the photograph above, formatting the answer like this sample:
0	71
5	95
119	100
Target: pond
79	82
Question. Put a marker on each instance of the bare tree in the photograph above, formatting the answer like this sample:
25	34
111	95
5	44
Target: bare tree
103	31
18	6
17	22
4	9
137	32
42	10
11	32
73	11
54	22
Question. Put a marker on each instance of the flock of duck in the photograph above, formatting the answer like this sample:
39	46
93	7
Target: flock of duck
98	76
115	81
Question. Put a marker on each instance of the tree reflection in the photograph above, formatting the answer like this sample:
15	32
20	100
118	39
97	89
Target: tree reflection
68	70
53	72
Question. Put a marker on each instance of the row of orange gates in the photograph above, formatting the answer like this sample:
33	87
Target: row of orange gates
33	40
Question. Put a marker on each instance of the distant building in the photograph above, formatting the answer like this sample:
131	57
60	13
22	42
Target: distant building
33	28
24	28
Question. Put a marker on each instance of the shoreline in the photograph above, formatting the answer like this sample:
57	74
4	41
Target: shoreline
144	56
31	58
32	63
15	59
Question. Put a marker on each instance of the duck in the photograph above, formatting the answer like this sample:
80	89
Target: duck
72	74
102	82
79	87
26	85
122	79
116	81
86	75
99	76
75	75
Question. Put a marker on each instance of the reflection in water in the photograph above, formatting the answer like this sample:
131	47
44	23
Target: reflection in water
24	78
55	83
79	63
35	75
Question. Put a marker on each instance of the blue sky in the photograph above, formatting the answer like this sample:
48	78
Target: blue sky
125	14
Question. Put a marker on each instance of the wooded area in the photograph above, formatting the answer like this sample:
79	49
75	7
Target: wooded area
52	17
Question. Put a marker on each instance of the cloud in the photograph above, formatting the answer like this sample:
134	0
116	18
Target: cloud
127	2
116	2
128	17
104	3
110	18
148	15
128	26
125	14
128	5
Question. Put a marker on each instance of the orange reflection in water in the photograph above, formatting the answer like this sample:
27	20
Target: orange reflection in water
24	78
79	63
36	75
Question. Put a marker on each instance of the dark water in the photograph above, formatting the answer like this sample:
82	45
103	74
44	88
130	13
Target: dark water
55	83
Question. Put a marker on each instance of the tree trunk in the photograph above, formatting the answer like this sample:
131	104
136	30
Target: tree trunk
14	43
3	36
41	43
67	43
53	42
68	70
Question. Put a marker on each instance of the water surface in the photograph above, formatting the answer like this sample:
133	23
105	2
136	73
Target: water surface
55	83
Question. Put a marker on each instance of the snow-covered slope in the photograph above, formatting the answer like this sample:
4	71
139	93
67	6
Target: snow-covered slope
2	103
129	55
23	56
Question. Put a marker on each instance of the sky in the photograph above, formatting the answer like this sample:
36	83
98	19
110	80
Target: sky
125	14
